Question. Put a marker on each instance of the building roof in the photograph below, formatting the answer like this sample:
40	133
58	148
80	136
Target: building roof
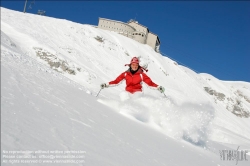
111	20
136	23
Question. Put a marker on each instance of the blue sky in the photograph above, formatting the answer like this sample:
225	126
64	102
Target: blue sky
207	36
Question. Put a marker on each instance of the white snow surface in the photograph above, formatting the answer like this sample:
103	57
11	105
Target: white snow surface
45	109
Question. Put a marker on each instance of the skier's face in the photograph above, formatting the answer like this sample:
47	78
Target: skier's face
134	66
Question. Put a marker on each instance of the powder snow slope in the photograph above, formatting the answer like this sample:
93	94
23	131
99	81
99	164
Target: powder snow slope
51	70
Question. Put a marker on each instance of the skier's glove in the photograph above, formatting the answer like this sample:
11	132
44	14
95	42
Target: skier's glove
161	89
104	85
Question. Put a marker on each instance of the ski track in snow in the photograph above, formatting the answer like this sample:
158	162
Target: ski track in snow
171	119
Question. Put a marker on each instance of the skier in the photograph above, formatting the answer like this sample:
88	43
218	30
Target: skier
134	77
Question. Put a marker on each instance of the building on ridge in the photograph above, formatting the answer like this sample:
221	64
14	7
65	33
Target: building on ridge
133	30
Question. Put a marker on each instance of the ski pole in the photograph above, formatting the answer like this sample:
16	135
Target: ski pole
164	94
98	92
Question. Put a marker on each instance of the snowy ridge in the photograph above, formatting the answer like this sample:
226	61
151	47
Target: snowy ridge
52	69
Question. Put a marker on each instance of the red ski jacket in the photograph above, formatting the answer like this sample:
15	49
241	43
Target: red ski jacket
133	82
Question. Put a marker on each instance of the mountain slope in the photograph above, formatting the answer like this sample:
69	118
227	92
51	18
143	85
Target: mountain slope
51	71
